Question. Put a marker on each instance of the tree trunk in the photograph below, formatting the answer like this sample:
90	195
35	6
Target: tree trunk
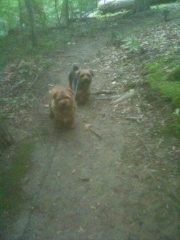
30	10
66	4
141	5
21	20
9	17
57	12
65	13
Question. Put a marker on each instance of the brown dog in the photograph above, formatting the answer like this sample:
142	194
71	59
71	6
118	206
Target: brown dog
80	81
62	107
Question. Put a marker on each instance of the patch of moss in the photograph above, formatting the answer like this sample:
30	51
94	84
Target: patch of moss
159	65
163	76
129	86
11	194
166	83
173	75
172	127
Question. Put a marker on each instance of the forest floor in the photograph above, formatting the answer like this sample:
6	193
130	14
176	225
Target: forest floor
115	175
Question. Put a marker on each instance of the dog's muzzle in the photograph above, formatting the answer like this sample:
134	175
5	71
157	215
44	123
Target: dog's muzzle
86	82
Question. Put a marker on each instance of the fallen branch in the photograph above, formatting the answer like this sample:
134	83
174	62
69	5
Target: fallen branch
134	118
107	98
125	96
105	92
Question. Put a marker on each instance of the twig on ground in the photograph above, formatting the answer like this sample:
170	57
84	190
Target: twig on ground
84	179
145	147
67	55
134	118
107	98
175	196
125	96
34	80
40	138
54	175
104	92
97	134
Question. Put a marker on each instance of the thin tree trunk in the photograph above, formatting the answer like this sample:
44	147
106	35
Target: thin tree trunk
32	21
21	20
66	13
57	12
9	17
141	5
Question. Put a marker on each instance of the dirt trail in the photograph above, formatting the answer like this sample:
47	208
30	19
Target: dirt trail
116	182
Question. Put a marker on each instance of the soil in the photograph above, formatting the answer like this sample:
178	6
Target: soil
114	176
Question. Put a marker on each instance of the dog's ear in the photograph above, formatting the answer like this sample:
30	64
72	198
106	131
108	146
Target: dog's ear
91	72
70	91
78	73
54	95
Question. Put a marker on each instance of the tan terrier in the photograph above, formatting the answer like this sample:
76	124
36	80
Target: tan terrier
62	107
80	81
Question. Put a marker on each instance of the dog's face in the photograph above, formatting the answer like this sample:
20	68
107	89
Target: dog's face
85	77
62	97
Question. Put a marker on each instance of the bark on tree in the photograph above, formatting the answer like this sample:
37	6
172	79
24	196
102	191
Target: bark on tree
30	10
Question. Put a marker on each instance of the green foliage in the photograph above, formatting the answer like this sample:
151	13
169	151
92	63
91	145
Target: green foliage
172	126
165	82
164	77
10	187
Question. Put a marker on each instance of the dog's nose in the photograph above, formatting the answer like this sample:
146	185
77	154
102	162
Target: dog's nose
86	81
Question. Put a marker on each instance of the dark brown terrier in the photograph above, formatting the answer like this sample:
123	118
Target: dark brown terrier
80	81
62	107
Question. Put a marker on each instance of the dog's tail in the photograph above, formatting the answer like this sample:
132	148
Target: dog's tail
75	67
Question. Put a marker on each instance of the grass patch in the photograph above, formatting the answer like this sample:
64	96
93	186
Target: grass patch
163	76
11	194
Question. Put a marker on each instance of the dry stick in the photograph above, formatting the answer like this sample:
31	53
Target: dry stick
85	179
134	118
125	96
175	196
108	98
67	55
54	175
146	148
104	92
97	134
34	80
41	138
